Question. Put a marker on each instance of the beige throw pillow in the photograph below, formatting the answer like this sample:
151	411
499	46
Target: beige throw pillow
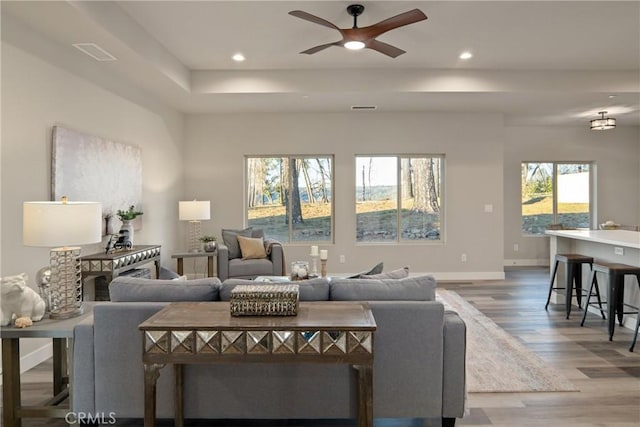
252	248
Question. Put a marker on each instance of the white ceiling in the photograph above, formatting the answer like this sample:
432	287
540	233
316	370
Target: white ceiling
544	62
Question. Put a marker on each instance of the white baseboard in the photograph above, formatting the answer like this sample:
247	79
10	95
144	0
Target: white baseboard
34	358
458	276
526	262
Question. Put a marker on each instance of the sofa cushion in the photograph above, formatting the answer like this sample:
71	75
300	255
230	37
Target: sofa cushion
230	239
252	248
131	289
400	273
421	288
250	268
309	290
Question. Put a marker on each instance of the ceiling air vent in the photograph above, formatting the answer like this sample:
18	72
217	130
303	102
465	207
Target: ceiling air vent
95	51
363	107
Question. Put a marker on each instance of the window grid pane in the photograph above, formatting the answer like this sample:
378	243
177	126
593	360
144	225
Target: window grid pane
384	183
420	208
573	195
376	199
555	195
285	211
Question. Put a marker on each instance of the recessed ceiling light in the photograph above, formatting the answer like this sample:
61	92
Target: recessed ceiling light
354	45
238	57
611	96
466	55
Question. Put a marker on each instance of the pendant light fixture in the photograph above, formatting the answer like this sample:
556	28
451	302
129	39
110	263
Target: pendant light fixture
603	123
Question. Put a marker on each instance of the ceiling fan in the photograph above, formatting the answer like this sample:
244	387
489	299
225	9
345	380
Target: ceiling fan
365	37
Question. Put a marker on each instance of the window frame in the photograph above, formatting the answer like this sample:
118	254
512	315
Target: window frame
554	187
442	213
290	229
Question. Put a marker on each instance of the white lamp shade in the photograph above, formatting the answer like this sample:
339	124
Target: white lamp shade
194	210
53	224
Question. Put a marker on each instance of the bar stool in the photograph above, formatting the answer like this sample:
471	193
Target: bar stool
572	277
615	273
635	335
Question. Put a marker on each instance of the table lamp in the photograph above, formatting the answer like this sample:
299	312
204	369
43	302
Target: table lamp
194	211
59	225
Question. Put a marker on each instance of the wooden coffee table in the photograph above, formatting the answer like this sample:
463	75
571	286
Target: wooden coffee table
205	332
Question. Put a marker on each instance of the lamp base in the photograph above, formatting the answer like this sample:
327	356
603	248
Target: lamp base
66	313
66	283
195	231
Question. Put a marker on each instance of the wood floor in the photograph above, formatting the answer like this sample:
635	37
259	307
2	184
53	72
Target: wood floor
606	373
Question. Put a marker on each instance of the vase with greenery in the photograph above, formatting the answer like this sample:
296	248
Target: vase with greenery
126	217
129	214
209	243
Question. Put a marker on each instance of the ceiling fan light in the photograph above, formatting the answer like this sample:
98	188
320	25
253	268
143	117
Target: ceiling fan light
354	45
603	123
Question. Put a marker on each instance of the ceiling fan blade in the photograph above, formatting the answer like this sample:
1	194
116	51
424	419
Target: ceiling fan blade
406	18
309	17
319	48
385	48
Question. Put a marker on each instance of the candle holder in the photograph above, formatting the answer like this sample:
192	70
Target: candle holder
314	265
323	267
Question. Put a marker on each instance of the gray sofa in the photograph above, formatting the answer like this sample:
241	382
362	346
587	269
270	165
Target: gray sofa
419	368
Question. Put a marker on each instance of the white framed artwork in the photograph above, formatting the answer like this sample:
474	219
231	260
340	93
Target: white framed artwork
90	168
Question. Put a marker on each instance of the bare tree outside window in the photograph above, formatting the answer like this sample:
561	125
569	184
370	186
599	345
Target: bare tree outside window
290	197
398	198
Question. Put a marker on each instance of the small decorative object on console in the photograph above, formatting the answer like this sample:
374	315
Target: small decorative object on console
299	270
18	299
209	243
264	300
43	280
609	225
125	240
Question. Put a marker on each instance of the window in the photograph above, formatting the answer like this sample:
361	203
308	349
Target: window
398	193
555	193
290	197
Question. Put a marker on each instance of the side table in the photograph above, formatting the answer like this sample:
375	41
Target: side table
111	265
211	266
61	331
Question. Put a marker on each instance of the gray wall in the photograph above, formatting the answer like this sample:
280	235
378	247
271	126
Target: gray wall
36	96
472	143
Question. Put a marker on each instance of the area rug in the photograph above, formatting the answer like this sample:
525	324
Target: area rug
496	361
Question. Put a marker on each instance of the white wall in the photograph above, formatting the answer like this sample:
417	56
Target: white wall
37	95
616	154
472	143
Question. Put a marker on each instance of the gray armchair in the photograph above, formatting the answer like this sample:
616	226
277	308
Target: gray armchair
231	264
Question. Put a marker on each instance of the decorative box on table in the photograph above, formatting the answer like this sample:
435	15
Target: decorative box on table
264	300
